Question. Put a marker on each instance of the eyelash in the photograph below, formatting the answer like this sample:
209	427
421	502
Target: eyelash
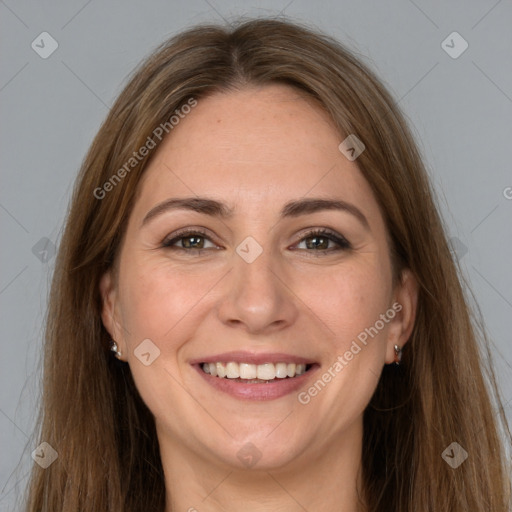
341	241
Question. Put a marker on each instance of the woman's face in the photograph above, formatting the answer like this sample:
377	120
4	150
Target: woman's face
255	247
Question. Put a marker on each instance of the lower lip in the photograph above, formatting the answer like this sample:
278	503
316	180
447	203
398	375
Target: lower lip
276	388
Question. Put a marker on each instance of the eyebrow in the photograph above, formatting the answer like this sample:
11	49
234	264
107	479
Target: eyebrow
215	208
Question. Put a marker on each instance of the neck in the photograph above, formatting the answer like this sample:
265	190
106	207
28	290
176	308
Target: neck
324	481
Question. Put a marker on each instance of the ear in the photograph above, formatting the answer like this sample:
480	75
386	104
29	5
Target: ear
404	304
109	312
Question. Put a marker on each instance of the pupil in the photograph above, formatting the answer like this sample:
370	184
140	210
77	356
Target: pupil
193	242
318	242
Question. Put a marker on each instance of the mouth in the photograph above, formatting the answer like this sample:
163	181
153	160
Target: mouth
256	377
254	373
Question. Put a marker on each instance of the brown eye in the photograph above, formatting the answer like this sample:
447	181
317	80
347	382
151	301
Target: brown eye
189	241
317	242
192	242
324	240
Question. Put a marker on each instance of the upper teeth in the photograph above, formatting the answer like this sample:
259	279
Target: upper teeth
267	371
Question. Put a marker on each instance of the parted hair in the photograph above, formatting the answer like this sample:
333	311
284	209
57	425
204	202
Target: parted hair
444	391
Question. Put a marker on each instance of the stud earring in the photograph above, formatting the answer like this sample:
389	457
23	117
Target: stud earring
115	349
398	355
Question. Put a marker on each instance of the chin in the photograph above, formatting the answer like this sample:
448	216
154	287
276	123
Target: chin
265	449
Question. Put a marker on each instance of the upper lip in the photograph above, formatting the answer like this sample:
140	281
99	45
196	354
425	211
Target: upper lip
253	358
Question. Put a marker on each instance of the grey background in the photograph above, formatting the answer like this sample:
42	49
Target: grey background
461	110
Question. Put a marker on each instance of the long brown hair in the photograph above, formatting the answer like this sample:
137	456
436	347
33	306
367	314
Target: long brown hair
92	414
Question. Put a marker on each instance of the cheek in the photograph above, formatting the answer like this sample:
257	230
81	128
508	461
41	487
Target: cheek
350	299
166	306
350	302
157	301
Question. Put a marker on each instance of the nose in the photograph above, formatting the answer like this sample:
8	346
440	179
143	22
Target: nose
257	297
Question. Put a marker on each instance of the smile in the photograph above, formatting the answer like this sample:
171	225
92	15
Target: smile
249	376
254	373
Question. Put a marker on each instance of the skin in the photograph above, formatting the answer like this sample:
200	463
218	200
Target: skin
255	150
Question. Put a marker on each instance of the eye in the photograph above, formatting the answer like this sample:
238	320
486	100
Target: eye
323	240
319	241
189	240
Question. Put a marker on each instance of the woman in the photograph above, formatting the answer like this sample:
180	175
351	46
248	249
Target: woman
255	306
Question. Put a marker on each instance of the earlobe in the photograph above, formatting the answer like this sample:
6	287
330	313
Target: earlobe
406	300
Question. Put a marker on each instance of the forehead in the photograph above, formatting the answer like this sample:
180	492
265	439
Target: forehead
251	147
